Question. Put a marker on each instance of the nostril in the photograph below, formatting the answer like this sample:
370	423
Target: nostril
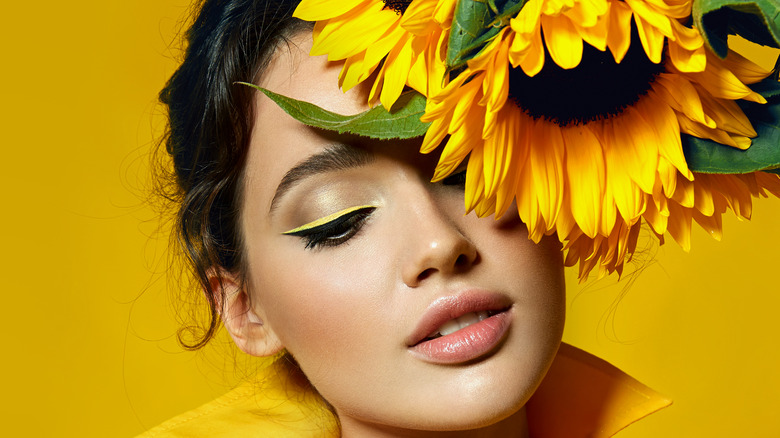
462	260
425	274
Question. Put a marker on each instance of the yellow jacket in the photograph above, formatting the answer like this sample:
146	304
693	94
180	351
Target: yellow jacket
581	396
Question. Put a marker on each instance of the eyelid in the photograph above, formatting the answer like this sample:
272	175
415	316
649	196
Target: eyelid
328	218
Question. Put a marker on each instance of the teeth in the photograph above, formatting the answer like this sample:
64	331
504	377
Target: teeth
448	327
456	324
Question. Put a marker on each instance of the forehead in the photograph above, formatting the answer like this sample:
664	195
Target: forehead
310	78
278	141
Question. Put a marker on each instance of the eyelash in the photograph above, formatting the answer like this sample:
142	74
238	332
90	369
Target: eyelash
337	231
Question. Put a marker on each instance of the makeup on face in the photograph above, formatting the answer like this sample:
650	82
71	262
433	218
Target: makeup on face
337	157
333	229
460	328
401	310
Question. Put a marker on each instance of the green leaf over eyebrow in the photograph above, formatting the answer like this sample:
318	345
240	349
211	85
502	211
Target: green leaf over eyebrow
401	122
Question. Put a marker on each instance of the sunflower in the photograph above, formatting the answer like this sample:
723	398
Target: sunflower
580	109
402	39
574	111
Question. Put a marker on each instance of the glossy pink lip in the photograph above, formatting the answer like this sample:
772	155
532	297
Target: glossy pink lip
467	343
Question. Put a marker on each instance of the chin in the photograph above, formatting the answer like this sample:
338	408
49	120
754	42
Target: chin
466	415
481	396
479	416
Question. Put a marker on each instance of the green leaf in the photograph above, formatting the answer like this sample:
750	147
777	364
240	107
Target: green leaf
474	24
755	20
768	88
707	156
468	24
402	121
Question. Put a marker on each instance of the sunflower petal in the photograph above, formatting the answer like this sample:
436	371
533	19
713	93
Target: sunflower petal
657	220
639	144
548	175
399	62
722	83
381	47
679	225
688	61
711	224
436	133
702	197
586	13
346	35
533	61
595	35
353	72
652	40
444	11
681	95
562	40
428	70
317	10
745	70
475	184
527	204
505	192
687	38
650	17
496	157
728	116
619	36
418	17
683	195
697	130
663	120
465	104
585	176
527	20
627	195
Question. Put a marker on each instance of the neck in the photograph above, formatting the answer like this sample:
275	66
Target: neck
514	426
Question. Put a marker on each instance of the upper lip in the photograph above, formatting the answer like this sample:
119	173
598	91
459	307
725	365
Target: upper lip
450	307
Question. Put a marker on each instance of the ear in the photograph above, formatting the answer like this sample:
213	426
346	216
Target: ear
244	322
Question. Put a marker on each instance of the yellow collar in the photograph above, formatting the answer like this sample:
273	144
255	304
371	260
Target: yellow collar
582	395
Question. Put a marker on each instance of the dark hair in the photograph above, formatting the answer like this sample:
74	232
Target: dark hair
209	127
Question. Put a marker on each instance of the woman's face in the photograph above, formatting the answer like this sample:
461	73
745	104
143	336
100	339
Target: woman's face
356	261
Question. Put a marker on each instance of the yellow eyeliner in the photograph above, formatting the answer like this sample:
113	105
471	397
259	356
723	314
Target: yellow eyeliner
328	218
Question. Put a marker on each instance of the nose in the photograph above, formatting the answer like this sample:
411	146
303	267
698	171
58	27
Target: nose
436	244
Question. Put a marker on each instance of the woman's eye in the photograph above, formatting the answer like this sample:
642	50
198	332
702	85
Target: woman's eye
332	232
456	179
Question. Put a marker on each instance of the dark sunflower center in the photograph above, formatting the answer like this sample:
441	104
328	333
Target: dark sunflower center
398	6
596	89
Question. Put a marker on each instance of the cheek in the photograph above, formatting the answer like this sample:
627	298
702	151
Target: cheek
506	245
536	270
326	307
546	285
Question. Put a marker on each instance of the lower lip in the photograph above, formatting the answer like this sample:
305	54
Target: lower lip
466	344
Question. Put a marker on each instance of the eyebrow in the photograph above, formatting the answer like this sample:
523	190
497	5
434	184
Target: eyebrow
334	158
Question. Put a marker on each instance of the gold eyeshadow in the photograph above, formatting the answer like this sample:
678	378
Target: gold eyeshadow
328	218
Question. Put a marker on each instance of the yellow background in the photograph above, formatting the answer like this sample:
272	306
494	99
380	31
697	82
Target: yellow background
87	329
